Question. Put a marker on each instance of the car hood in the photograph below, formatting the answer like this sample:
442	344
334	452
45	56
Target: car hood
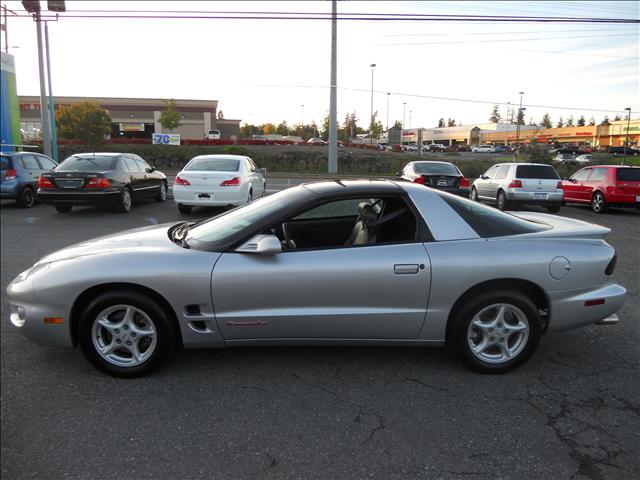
150	238
563	227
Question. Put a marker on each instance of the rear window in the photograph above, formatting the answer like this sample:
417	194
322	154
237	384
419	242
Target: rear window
626	174
488	221
90	163
436	169
213	165
5	163
536	171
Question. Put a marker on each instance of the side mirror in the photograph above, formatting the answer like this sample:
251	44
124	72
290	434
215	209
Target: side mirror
263	244
150	169
573	180
398	174
263	171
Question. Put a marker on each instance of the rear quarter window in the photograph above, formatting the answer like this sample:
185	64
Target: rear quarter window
626	174
537	171
487	221
5	163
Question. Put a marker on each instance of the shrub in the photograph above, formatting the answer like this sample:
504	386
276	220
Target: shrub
538	153
234	150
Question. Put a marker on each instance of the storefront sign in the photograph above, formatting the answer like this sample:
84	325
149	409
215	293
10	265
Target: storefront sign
131	127
166	139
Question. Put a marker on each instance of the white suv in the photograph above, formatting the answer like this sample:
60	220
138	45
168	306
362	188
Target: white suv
483	149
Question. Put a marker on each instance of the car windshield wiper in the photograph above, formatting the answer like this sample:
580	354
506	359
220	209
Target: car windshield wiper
179	235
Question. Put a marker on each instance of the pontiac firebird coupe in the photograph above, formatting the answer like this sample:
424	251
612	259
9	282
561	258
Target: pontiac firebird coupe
343	262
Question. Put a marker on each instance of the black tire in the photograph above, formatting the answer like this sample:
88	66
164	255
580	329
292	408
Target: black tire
554	208
27	198
474	194
264	189
125	202
502	202
598	204
184	208
250	197
523	347
162	192
63	208
165	334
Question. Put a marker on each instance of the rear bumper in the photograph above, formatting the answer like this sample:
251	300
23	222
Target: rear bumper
568	308
622	200
191	196
78	198
520	196
462	192
9	189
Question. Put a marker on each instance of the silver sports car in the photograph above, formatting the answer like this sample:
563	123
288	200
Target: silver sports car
339	262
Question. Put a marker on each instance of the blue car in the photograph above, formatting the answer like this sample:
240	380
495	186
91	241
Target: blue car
503	149
19	173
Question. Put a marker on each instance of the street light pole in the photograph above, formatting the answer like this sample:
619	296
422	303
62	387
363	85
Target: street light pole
373	65
302	121
515	152
404	109
506	136
54	141
626	140
388	95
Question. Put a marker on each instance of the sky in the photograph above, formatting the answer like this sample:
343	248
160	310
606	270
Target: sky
272	70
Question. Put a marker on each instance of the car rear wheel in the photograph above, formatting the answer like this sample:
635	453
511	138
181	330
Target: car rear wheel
162	193
184	208
63	208
554	208
598	203
125	334
503	204
27	198
474	194
250	197
125	202
497	332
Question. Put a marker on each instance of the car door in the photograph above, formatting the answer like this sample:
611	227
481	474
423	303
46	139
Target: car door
31	170
498	179
149	183
372	291
131	170
483	184
574	188
595	181
254	178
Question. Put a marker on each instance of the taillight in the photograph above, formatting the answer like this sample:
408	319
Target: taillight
44	182
10	174
515	184
181	181
231	183
464	182
98	183
559	185
419	180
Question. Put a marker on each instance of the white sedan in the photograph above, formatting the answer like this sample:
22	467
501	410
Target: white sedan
218	181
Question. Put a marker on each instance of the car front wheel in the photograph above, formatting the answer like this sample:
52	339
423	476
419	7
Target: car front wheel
125	334
496	333
162	192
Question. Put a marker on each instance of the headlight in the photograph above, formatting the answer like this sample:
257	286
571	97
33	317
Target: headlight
18	315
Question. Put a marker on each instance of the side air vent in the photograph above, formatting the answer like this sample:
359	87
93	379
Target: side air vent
612	265
199	326
193	310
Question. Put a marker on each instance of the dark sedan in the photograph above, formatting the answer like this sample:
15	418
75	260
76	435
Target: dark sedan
116	179
441	175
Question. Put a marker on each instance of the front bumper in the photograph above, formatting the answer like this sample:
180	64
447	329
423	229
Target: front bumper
78	198
569	308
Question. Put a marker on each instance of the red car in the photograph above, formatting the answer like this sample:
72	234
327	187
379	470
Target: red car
604	186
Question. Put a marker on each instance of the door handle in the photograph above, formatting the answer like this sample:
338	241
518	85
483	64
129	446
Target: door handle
406	268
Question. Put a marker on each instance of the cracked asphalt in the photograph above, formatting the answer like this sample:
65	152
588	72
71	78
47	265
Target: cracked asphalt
571	412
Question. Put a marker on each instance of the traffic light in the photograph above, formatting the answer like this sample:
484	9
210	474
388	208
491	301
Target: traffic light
31	6
56	6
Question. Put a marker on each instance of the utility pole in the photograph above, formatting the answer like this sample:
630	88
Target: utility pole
54	140
515	151
373	65
506	135
388	95
626	140
333	100
404	109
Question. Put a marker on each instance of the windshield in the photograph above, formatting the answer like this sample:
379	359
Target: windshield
77	163
226	227
213	165
537	171
436	168
487	221
628	174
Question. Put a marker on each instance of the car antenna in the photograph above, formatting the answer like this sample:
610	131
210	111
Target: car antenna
339	182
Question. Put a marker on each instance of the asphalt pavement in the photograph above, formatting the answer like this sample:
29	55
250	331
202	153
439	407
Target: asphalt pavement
572	411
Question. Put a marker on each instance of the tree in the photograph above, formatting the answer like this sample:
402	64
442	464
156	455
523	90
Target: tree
268	128
532	123
170	118
350	125
560	123
581	121
324	130
569	121
376	128
220	115
84	122
546	121
605	121
451	122
441	123
495	114
397	124
520	120
282	128
592	121
617	118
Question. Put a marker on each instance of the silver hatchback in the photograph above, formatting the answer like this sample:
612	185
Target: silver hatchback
510	184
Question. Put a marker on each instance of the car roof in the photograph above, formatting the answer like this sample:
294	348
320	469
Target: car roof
348	187
105	154
431	161
221	156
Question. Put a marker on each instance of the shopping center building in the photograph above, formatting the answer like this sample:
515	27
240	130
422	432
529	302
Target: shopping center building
138	117
614	134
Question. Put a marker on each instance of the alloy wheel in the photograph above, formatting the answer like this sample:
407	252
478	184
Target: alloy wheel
498	333
597	203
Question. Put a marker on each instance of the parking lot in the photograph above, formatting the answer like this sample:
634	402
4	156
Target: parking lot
572	411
